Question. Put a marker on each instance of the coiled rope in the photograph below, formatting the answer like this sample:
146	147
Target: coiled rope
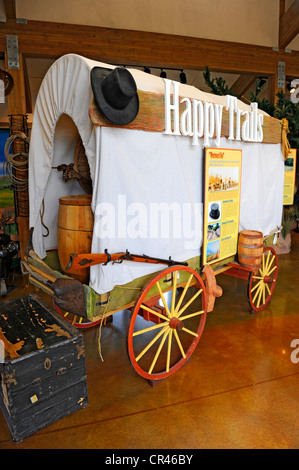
16	165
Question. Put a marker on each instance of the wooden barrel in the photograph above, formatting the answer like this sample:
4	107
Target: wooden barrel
74	231
250	248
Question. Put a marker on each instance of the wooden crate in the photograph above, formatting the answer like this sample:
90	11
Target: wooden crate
42	366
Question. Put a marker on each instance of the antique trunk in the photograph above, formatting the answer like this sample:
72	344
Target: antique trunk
42	366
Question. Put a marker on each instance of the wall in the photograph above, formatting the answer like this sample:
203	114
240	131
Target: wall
257	23
251	22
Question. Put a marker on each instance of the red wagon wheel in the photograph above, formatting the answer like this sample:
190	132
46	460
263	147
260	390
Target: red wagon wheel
261	285
75	320
166	323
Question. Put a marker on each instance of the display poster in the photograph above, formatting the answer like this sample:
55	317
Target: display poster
222	189
289	177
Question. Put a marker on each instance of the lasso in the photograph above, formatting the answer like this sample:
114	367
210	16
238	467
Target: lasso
13	164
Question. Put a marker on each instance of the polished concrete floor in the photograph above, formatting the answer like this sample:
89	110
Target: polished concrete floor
239	390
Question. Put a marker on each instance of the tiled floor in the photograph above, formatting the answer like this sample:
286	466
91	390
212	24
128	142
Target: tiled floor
240	389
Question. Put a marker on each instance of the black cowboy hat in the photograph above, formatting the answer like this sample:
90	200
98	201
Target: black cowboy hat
115	94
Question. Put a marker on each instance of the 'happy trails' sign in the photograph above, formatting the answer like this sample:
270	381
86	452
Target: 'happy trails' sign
203	119
173	114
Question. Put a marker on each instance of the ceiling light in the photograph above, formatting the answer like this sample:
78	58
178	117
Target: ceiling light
262	82
183	78
290	88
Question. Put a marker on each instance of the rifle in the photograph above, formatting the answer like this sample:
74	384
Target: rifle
84	260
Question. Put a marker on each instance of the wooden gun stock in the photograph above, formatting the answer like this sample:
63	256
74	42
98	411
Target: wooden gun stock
86	260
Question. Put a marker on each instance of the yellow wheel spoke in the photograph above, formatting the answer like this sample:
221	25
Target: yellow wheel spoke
190	332
151	343
173	293
189	303
268	259
256	286
264	294
158	352
163	299
257	292
263	262
153	312
183	294
257	277
270	264
269	292
192	315
179	343
261	272
259	297
150	328
169	350
270	272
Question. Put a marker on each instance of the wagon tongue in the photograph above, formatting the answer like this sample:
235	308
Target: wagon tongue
69	296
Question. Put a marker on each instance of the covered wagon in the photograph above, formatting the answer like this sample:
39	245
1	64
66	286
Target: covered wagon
139	187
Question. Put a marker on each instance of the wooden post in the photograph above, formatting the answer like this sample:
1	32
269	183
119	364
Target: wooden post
17	109
243	83
273	80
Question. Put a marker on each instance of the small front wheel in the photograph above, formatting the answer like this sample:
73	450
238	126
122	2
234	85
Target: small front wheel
262	284
166	322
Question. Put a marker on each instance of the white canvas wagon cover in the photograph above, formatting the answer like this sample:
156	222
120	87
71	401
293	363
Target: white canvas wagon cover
147	185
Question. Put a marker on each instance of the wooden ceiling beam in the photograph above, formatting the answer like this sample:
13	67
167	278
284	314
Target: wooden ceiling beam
128	47
243	83
10	9
288	24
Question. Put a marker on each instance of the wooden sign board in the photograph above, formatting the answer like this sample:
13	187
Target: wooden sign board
289	178
222	189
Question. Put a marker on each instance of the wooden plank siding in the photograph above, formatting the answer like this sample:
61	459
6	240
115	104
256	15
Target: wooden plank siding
129	47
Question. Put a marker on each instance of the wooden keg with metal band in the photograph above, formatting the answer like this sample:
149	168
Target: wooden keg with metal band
250	249
74	231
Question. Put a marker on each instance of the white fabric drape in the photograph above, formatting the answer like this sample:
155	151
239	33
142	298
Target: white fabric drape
147	186
64	90
148	198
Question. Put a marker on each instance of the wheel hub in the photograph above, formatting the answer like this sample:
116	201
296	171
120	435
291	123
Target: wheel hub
176	323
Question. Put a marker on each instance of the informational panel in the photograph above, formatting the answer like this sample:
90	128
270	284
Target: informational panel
289	177
222	189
